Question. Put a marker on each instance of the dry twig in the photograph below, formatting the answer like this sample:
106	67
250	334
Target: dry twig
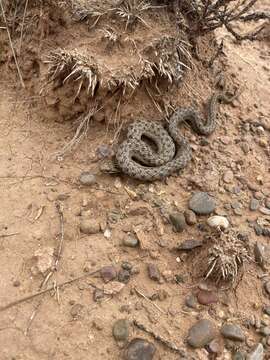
41	292
159	338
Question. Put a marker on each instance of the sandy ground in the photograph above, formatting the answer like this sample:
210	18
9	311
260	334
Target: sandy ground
32	183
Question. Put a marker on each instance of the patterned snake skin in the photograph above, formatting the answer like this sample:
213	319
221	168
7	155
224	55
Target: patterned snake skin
137	159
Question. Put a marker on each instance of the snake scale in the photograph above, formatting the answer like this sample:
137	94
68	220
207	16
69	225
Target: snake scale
138	160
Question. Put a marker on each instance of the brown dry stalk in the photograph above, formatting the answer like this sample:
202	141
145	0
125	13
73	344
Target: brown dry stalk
158	337
41	292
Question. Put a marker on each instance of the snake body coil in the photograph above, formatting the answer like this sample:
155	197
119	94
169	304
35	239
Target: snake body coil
137	159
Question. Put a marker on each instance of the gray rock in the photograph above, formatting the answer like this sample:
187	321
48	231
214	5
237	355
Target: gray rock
245	147
202	203
258	229
261	253
191	301
267	203
190	217
254	204
266	231
108	273
126	265
265	331
257	353
153	272
232	332
89	226
130	241
189	245
103	151
178	221
264	210
140	349
98	295
121	330
201	333
87	178
124	276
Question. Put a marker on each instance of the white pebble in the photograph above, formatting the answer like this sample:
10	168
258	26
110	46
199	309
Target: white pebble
107	233
218	221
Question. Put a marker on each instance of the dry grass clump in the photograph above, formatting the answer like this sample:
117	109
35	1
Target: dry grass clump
226	256
164	58
73	66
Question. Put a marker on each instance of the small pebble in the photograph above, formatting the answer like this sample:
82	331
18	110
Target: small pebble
124	276
76	310
228	177
265	331
98	295
121	330
140	349
178	221
130	241
256	353
87	178
258	195
232	332
89	226
126	265
266	231
264	210
258	229
201	333
190	217
215	346
16	283
103	151
202	203
245	147
189	245
191	301
108	273
207	297
153	272
254	204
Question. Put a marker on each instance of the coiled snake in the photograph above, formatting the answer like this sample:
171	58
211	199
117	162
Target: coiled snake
138	160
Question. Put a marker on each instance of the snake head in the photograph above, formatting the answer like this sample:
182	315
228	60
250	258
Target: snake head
109	167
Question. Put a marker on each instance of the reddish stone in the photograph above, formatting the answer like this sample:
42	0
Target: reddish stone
207	297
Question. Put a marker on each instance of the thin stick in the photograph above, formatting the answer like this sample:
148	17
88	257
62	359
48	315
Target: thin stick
32	296
159	338
151	302
8	235
59	208
11	45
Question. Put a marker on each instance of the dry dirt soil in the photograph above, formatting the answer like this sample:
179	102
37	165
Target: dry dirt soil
36	189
